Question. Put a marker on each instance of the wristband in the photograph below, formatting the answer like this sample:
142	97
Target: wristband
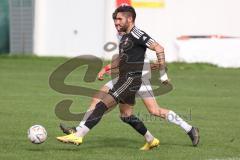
107	68
163	75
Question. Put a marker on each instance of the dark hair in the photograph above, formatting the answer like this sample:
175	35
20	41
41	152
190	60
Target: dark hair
126	9
114	15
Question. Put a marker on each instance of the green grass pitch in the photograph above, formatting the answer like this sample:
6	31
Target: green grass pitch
206	96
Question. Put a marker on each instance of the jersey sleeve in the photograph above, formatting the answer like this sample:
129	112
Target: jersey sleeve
142	37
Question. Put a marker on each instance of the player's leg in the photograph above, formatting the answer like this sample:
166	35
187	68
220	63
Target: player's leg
126	112
145	92
169	115
122	91
96	98
127	116
172	117
93	119
119	91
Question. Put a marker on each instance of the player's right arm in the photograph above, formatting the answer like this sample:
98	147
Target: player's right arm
109	68
105	70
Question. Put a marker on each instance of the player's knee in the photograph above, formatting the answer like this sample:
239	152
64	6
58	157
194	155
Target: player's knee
94	102
125	114
154	112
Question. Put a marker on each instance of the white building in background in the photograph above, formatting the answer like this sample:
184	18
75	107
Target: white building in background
57	27
77	27
21	26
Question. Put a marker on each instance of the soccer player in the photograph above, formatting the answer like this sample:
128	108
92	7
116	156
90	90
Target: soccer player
126	114
131	56
147	96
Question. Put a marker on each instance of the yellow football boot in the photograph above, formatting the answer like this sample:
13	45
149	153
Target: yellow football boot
153	144
71	138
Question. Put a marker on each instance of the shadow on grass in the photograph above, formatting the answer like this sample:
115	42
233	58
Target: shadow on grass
185	145
99	143
104	143
36	149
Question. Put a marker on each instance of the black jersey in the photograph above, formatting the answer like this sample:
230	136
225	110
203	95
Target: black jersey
132	49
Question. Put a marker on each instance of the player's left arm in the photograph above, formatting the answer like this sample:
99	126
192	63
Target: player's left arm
161	63
150	43
160	54
111	68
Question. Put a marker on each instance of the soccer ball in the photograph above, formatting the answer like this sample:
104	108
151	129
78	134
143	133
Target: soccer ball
37	134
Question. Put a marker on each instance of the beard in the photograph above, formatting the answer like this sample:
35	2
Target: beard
123	27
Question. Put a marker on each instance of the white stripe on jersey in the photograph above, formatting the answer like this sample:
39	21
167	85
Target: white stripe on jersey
149	42
136	36
123	87
137	33
138	30
145	91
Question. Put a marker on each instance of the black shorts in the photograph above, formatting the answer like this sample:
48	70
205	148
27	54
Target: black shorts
125	89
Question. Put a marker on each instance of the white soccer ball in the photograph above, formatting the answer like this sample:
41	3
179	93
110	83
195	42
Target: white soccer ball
37	134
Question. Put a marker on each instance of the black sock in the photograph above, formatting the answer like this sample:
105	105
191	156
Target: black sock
96	115
136	123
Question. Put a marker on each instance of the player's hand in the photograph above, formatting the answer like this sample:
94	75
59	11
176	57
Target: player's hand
154	66
101	74
104	70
